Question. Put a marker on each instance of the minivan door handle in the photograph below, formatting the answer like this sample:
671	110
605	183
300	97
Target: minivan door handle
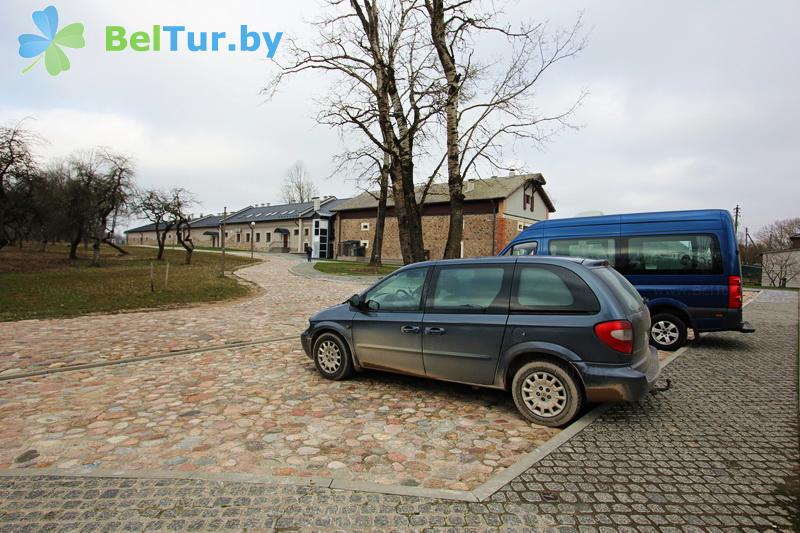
409	329
434	331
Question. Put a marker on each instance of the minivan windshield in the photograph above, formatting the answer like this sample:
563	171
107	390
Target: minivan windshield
628	294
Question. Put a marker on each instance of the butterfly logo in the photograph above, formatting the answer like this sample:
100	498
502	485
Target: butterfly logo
50	41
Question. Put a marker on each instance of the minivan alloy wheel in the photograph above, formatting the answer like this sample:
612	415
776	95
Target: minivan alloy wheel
665	332
544	394
329	356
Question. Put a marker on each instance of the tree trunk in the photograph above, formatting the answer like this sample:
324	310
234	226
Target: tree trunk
455	181
380	220
73	245
161	239
115	246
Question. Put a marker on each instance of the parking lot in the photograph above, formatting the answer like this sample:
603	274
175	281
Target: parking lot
695	455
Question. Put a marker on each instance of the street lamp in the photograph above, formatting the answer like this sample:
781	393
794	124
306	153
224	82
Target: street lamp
252	242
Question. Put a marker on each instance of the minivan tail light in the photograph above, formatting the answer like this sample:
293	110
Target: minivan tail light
734	292
616	334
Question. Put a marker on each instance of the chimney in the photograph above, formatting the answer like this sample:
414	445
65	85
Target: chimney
316	203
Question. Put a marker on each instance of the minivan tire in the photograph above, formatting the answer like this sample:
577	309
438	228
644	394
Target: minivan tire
668	332
536	389
331	357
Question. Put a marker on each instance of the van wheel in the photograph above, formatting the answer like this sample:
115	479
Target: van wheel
331	357
667	332
546	394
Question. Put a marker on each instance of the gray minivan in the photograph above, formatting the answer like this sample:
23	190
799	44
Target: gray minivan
557	332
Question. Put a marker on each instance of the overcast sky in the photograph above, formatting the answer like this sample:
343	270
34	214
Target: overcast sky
691	104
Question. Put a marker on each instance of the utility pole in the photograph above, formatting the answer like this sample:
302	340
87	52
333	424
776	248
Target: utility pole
222	238
736	211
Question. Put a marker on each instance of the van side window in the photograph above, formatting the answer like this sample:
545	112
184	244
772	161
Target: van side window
472	289
551	289
523	248
597	248
672	254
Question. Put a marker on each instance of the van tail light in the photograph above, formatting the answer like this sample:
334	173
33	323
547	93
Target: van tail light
734	292
616	334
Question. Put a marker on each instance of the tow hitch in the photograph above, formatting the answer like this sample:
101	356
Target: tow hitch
661	388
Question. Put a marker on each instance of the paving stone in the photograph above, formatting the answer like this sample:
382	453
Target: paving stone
702	419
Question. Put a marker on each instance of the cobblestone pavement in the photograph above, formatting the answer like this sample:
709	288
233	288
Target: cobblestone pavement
262	410
283	308
706	455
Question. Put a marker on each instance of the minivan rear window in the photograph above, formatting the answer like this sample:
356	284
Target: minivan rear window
551	289
628	294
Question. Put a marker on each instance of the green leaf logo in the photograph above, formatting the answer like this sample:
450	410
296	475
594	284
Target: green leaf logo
50	41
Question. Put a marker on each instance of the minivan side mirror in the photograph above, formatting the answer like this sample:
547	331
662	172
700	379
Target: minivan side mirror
356	301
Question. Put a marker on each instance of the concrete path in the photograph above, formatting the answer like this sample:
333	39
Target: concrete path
710	454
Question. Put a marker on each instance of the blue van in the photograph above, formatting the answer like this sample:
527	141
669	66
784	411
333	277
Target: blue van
684	263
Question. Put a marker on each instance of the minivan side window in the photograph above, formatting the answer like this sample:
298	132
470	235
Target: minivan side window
551	289
590	248
672	254
400	292
523	248
471	289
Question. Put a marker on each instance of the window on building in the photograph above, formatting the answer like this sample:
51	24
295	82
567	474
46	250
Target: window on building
258	237
246	237
268	236
305	232
296	231
316	227
365	226
238	237
365	244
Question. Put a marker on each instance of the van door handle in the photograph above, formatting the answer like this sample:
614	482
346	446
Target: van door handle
409	329
434	331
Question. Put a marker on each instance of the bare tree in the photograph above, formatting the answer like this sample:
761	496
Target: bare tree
489	104
181	201
17	168
298	187
154	205
780	267
372	176
777	236
108	179
381	90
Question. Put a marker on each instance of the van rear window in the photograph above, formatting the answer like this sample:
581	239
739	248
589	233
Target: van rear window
672	254
627	293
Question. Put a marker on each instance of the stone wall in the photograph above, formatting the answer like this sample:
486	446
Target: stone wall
477	234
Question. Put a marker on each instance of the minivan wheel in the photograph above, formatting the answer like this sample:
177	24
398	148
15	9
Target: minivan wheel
331	357
546	393
667	332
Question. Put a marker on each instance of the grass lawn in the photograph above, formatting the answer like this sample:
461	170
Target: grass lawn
36	284
353	268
